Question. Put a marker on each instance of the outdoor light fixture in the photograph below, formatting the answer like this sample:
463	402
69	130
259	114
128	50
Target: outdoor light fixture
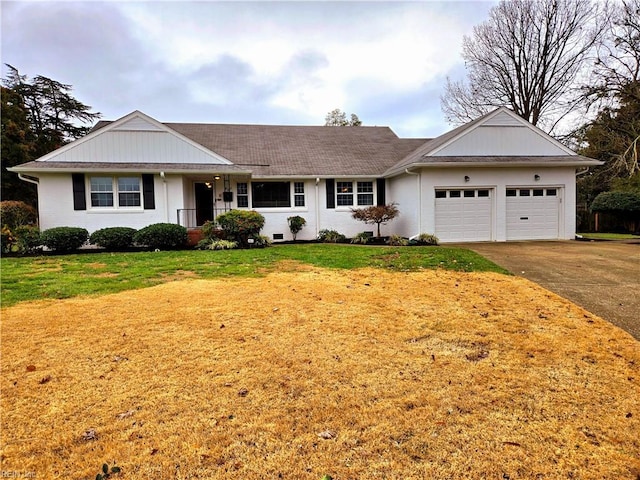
208	184
466	178
536	177
217	177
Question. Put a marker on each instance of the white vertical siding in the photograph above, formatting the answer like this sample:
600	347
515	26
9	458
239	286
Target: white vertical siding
136	147
501	140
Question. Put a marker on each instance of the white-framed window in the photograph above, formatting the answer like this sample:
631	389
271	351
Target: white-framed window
298	194
115	192
242	194
354	193
271	194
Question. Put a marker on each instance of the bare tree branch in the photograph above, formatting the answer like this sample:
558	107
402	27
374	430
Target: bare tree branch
527	56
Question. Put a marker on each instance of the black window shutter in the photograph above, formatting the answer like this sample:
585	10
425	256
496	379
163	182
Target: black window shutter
148	191
79	195
331	193
380	190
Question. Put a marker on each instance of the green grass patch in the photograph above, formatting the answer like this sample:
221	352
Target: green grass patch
609	236
65	276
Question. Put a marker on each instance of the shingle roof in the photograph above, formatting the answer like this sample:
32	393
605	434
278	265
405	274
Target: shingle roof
272	150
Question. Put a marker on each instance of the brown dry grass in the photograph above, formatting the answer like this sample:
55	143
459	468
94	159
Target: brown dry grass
409	375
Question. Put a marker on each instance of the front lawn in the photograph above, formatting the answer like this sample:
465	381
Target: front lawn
65	276
304	372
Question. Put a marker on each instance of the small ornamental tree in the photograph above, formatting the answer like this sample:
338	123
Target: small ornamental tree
295	225
376	214
241	225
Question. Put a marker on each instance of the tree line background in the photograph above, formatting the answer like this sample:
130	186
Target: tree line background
570	67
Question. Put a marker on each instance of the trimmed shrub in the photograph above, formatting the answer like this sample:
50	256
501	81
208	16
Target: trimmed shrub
14	213
330	236
161	236
240	225
113	238
28	238
427	239
397	241
296	224
64	239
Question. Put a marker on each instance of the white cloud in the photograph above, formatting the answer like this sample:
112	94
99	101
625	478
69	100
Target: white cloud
286	62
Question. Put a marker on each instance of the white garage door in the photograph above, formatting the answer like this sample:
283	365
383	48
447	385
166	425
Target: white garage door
533	213
464	215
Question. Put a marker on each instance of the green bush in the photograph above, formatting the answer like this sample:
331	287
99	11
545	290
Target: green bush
241	225
397	241
14	214
216	244
28	238
427	239
296	224
161	236
362	237
330	236
261	241
212	231
7	239
64	239
113	238
616	202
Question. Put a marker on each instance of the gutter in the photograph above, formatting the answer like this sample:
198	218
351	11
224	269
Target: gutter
419	175
24	178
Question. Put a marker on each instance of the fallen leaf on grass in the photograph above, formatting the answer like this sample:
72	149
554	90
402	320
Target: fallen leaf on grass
477	356
120	416
90	435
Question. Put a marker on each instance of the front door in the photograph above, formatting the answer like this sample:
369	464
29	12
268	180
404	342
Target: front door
204	202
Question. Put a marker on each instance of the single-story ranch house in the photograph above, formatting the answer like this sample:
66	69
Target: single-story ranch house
497	178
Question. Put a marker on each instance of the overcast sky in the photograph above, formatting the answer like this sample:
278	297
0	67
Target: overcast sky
248	62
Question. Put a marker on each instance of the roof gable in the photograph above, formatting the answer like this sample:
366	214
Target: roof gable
134	138
501	137
499	133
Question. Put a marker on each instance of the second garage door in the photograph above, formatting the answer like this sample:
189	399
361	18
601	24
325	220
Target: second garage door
464	215
533	213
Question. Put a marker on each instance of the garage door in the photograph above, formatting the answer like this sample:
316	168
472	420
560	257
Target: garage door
533	213
464	215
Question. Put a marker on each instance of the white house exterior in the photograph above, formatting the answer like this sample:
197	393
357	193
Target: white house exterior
497	178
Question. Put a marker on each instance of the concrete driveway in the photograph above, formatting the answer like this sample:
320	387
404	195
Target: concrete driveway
602	277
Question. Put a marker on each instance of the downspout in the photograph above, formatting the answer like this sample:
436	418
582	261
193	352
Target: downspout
418	174
27	179
166	197
317	206
35	181
582	172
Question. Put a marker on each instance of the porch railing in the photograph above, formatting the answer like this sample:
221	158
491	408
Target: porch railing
188	217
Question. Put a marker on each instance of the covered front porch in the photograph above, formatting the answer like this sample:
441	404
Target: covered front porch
208	195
